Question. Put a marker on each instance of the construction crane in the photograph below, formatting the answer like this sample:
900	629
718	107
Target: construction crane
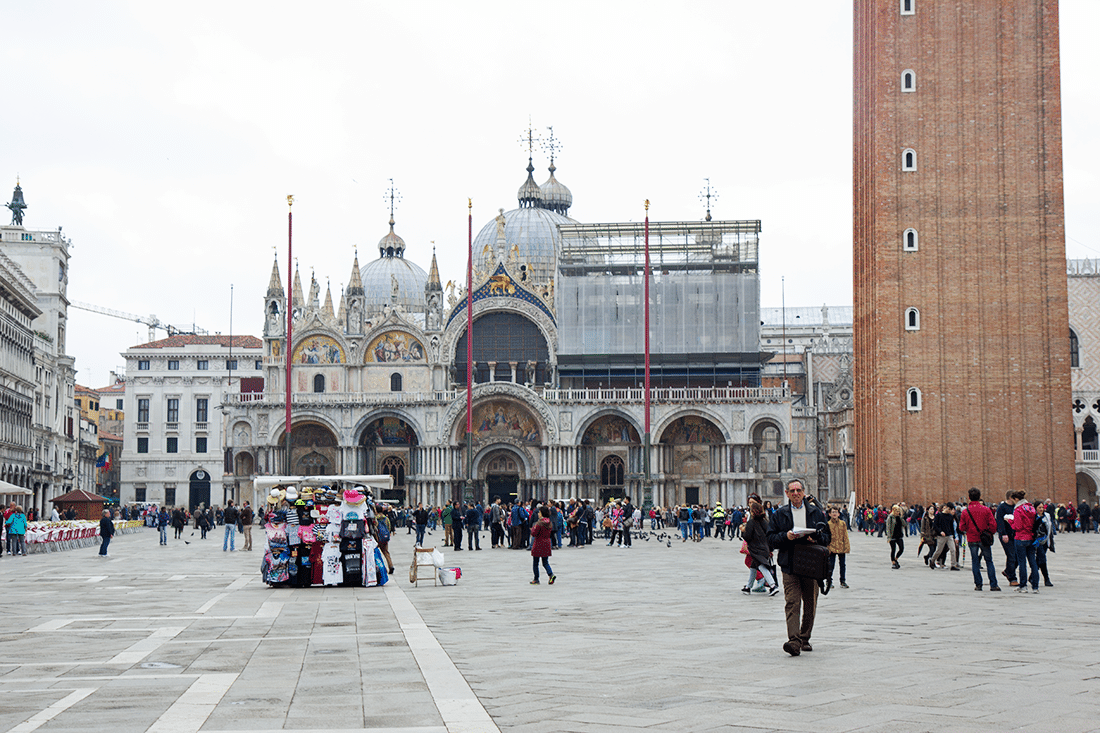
151	321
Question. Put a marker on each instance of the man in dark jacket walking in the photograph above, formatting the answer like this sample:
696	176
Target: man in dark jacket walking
799	593
106	532
229	517
1007	536
472	520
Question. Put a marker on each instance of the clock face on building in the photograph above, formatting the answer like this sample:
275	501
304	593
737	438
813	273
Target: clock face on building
201	475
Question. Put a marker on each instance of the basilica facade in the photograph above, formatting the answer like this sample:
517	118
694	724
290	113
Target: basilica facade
378	383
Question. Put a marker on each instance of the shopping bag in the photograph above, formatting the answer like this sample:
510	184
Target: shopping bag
437	558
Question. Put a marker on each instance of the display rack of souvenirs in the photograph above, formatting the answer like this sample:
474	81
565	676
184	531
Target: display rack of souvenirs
324	535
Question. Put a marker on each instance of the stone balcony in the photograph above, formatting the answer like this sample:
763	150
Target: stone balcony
665	395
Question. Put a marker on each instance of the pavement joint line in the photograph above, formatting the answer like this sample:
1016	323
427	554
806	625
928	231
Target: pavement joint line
210	604
455	700
191	710
141	649
37	720
96	578
238	584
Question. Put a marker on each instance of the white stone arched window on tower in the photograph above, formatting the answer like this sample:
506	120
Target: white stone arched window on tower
908	7
908	81
910	240
912	319
909	159
913	399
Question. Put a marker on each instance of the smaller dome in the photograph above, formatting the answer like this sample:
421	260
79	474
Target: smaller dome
391	245
530	195
555	196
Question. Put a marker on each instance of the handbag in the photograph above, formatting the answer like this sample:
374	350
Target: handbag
628	523
810	561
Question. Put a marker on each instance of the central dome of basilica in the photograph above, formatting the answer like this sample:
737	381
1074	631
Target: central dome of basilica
391	266
532	228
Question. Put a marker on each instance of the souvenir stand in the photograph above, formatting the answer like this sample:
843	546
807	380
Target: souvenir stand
321	530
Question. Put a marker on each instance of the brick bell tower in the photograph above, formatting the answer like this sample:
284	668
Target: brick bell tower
962	373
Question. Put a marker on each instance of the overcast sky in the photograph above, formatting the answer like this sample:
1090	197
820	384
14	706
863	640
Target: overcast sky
164	137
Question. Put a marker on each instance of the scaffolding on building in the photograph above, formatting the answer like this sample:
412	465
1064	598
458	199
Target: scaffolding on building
694	246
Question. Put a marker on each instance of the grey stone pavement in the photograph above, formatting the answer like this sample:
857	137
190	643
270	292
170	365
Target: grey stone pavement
655	638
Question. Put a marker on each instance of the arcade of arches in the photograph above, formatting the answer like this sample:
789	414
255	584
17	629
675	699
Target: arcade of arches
692	460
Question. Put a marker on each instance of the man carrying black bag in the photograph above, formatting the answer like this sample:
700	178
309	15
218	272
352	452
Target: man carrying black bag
799	591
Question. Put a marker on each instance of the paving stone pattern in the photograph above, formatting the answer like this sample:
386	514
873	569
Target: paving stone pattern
187	638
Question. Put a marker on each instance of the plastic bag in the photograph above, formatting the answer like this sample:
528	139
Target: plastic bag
447	576
437	558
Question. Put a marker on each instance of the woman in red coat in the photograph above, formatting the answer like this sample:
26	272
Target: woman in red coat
540	545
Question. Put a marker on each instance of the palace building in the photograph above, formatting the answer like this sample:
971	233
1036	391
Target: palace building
378	382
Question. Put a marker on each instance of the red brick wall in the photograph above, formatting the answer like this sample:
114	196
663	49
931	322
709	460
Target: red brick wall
991	358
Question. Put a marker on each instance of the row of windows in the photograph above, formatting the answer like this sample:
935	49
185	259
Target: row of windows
319	383
201	365
171	445
172	409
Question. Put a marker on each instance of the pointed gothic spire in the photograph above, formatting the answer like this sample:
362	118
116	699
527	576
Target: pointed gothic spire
299	299
355	283
341	315
433	276
326	310
275	285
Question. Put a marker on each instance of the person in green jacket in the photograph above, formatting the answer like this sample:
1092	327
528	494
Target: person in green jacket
448	524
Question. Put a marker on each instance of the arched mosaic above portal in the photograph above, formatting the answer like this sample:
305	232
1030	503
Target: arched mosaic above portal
498	419
610	429
692	429
389	431
395	346
319	350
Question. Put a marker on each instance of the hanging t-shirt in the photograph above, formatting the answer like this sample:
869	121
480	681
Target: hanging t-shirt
317	565
370	570
352	552
333	573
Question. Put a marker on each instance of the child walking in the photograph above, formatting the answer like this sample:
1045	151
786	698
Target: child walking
839	546
540	545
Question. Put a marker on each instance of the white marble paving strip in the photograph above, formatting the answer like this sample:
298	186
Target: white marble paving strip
210	604
269	609
53	624
188	713
421	729
95	578
39	719
459	707
238	583
138	651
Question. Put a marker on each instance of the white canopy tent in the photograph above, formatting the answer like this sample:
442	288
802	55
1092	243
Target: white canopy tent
7	489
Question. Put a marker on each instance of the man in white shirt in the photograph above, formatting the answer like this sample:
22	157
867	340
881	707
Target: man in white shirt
799	593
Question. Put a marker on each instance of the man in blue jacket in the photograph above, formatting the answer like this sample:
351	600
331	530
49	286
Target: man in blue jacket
473	527
799	593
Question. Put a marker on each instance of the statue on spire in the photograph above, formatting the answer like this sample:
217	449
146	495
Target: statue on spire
17	205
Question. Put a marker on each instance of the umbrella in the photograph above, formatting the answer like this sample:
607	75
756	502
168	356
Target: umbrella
6	488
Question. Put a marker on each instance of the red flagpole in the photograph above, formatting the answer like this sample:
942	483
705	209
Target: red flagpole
645	462
470	346
289	315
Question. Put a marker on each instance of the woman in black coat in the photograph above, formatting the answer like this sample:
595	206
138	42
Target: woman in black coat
755	535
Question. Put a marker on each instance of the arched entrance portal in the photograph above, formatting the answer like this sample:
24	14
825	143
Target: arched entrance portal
691	451
501	471
199	490
1086	488
315	451
388	445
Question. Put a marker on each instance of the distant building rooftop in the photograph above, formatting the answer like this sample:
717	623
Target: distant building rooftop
181	340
